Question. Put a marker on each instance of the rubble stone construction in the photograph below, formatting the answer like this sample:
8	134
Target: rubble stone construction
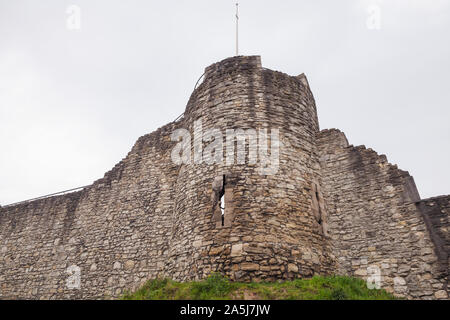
331	209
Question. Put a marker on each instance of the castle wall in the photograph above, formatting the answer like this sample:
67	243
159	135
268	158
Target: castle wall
435	212
149	217
375	225
323	207
116	231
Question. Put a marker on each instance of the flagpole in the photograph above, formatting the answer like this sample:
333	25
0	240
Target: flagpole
237	29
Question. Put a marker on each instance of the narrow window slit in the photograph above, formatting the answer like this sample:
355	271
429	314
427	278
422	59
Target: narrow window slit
222	201
320	210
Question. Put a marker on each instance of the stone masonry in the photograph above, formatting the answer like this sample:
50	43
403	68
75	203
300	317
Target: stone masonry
330	208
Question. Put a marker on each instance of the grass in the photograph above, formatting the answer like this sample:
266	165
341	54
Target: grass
217	287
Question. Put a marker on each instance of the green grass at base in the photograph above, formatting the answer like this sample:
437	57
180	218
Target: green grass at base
217	287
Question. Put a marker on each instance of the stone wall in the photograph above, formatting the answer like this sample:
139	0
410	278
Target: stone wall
375	226
327	208
435	212
149	217
116	232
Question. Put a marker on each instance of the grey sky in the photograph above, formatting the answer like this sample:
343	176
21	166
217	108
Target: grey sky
72	103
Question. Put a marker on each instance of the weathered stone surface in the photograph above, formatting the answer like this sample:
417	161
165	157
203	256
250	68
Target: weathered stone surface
376	220
236	250
331	208
292	268
249	266
441	294
129	265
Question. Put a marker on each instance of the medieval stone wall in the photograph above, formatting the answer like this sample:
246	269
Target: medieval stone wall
320	207
375	226
435	212
149	217
116	232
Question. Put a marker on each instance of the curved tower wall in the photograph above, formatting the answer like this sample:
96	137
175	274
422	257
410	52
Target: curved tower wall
270	228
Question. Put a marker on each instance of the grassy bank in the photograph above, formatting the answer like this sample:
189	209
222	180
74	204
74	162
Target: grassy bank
217	287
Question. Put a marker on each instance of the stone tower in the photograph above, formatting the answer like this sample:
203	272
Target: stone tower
272	220
295	203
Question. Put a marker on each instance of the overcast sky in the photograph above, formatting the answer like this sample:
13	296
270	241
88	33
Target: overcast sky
74	101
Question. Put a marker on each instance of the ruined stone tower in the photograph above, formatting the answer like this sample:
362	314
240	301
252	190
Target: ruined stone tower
267	216
321	206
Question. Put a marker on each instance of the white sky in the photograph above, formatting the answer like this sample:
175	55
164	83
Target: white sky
72	103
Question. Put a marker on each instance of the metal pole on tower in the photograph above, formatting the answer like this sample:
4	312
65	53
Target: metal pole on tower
237	29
